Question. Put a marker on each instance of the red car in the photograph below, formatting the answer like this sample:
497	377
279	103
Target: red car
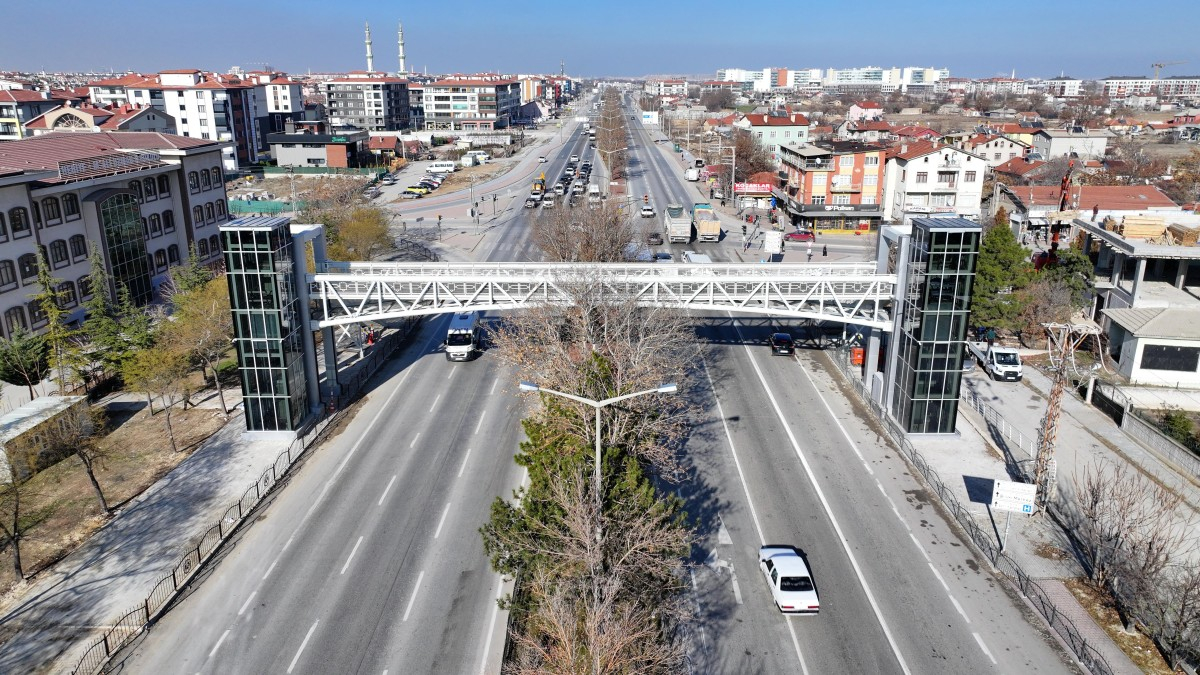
801	235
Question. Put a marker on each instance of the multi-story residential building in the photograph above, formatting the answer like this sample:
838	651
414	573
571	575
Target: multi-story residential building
471	104
208	106
19	106
368	101
775	129
832	185
924	178
1064	87
283	100
143	199
994	149
1072	141
127	117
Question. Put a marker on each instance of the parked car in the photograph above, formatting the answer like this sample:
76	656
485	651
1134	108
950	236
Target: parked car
799	235
782	343
787	575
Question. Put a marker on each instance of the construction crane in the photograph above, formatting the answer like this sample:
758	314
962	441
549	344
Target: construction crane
1063	339
1159	66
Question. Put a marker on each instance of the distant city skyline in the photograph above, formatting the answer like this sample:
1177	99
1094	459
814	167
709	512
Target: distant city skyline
627	39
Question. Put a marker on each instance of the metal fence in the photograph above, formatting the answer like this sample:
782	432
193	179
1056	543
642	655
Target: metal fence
132	622
980	538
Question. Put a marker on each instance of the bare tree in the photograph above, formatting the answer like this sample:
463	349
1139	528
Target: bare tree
584	234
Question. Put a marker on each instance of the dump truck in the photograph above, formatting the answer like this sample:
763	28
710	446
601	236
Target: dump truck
704	218
677	225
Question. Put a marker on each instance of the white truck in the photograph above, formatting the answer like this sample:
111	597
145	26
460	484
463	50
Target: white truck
462	337
677	225
691	174
1000	363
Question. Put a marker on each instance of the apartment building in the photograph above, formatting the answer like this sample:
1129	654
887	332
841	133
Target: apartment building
471	104
832	185
368	101
141	198
924	178
207	106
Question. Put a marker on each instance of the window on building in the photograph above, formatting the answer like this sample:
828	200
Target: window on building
922	176
8	275
846	160
15	320
205	180
168	220
70	204
58	253
79	247
66	295
969	176
173	254
148	189
51	211
193	181
164	186
27	265
155	225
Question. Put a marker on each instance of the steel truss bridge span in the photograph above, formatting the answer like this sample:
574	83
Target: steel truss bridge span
353	292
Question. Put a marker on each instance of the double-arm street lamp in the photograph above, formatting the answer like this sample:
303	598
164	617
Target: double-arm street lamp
662	389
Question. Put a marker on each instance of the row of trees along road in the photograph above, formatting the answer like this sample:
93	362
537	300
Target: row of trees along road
599	576
152	349
1009	295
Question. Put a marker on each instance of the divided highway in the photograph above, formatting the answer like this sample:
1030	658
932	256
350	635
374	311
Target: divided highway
370	560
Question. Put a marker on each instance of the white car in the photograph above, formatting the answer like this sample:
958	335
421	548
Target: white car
787	576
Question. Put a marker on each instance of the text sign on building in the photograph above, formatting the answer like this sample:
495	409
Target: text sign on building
752	188
1010	496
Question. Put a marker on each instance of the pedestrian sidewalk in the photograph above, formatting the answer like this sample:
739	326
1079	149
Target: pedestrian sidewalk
66	606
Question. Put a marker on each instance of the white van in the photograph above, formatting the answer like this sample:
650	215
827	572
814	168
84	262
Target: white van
442	167
462	338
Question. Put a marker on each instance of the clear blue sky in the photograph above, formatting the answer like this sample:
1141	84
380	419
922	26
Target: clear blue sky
616	37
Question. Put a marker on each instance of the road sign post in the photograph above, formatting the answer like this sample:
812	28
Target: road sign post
1009	496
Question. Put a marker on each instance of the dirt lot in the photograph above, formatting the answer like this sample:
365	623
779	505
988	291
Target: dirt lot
59	504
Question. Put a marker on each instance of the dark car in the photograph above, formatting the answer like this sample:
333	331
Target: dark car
800	235
781	343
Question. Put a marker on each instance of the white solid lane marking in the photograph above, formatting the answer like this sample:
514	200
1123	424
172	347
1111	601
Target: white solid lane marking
351	556
812	479
733	450
218	645
487	636
413	598
435	401
464	464
247	603
480	422
414	440
984	648
959	608
307	635
270	569
442	521
386	490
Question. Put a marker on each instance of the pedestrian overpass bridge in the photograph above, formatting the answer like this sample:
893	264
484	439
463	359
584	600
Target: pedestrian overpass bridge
352	292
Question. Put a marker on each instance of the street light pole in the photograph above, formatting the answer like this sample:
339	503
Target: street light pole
663	389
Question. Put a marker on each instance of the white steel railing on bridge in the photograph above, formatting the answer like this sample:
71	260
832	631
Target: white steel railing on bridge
350	292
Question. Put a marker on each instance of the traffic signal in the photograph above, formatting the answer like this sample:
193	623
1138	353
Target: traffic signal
645	199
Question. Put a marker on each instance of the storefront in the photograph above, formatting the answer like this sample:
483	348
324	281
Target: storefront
836	217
